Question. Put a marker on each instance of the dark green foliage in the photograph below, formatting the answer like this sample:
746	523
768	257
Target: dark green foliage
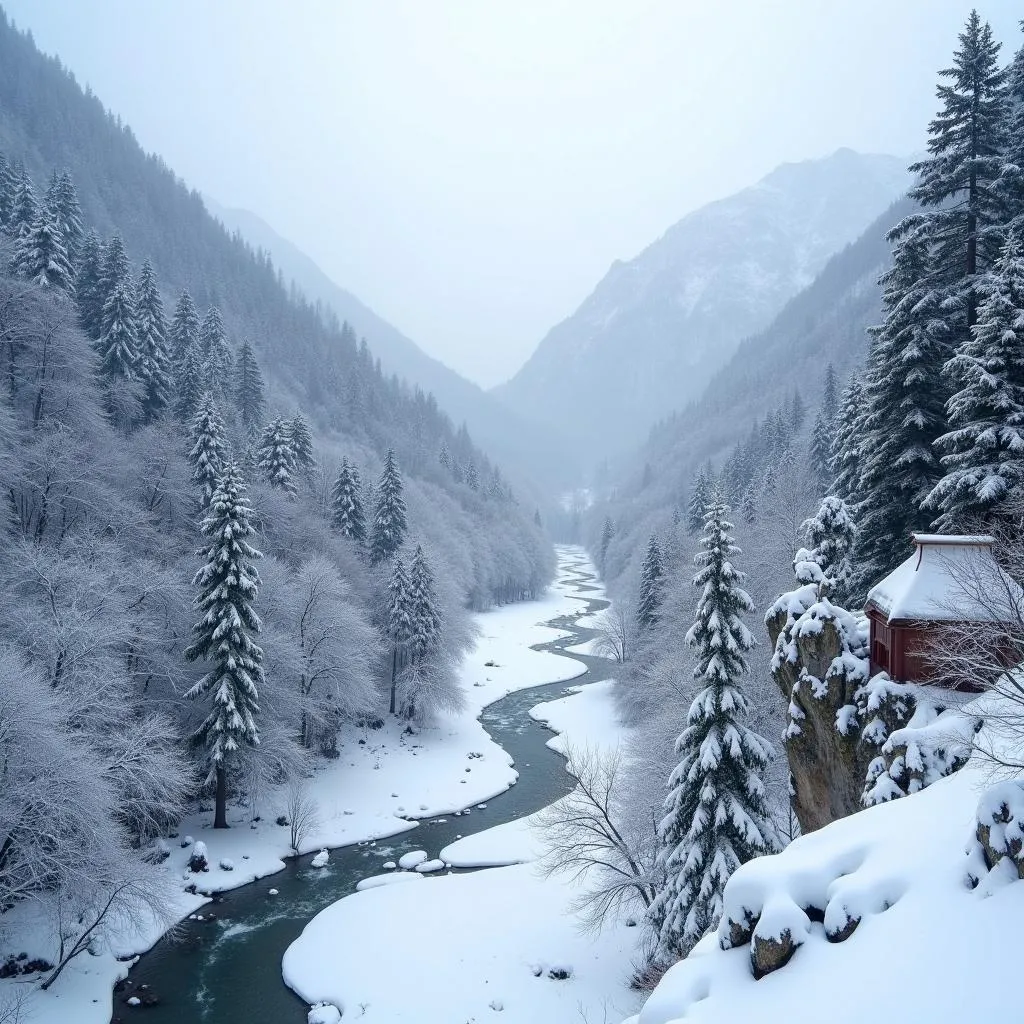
154	363
389	518
249	388
652	586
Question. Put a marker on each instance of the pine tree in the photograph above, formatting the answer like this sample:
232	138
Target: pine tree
652	584
190	385
249	388
154	366
607	533
797	412
24	206
184	331
228	584
749	509
984	448
400	625
957	181
275	457
115	269
40	256
389	518
472	479
699	499
820	454
302	444
347	515
537	521
118	345
424	609
830	395
830	535
903	413
88	288
62	200
8	186
845	460
208	454
716	813
218	362
444	458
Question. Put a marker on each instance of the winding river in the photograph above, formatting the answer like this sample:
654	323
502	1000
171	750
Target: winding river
228	970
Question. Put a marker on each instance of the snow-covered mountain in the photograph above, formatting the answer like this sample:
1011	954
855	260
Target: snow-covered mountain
656	328
517	441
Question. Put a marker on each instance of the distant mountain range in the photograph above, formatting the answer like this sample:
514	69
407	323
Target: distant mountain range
518	442
657	328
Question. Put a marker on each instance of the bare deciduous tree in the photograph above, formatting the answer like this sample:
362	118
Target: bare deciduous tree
303	812
617	634
590	836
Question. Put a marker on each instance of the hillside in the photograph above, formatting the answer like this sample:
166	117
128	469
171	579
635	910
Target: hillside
518	442
656	328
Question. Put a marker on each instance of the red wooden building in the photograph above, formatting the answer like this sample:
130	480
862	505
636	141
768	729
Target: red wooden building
939	583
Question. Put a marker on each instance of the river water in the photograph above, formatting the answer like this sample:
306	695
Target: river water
228	970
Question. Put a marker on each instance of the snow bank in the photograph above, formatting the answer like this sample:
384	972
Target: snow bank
883	919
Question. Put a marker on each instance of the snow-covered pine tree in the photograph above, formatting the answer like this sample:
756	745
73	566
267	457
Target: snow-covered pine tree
830	394
699	499
830	536
424	609
716	813
275	457
957	181
88	289
228	584
797	411
8	184
118	345
903	413
652	585
40	255
400	625
115	267
347	515
249	388
984	448
302	444
443	457
845	460
190	384
154	367
607	533
820	451
218	360
184	331
62	200
389	516
472	477
209	450
24	206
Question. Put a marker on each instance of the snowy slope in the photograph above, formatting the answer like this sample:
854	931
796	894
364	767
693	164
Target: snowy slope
929	948
656	328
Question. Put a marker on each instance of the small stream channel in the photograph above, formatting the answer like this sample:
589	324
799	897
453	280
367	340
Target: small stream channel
228	970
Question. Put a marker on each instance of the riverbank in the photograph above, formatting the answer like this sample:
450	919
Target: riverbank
427	772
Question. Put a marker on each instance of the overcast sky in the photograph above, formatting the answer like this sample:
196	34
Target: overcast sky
470	169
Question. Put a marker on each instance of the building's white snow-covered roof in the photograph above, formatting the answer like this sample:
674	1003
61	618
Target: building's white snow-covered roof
949	578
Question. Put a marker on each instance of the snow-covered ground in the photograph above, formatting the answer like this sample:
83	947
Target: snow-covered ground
381	781
928	947
471	945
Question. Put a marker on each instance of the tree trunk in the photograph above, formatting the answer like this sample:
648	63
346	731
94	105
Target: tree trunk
394	675
220	811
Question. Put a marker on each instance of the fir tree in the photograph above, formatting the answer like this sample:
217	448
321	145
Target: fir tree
984	448
607	533
699	499
830	535
903	414
423	607
218	362
8	186
716	813
275	457
154	366
652	584
347	515
115	268
797	412
62	200
118	345
249	388
845	460
40	255
957	181
228	584
820	454
444	458
830	394
749	510
400	625
302	444
88	286
472	479
208	453
389	518
24	206
190	385
184	331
